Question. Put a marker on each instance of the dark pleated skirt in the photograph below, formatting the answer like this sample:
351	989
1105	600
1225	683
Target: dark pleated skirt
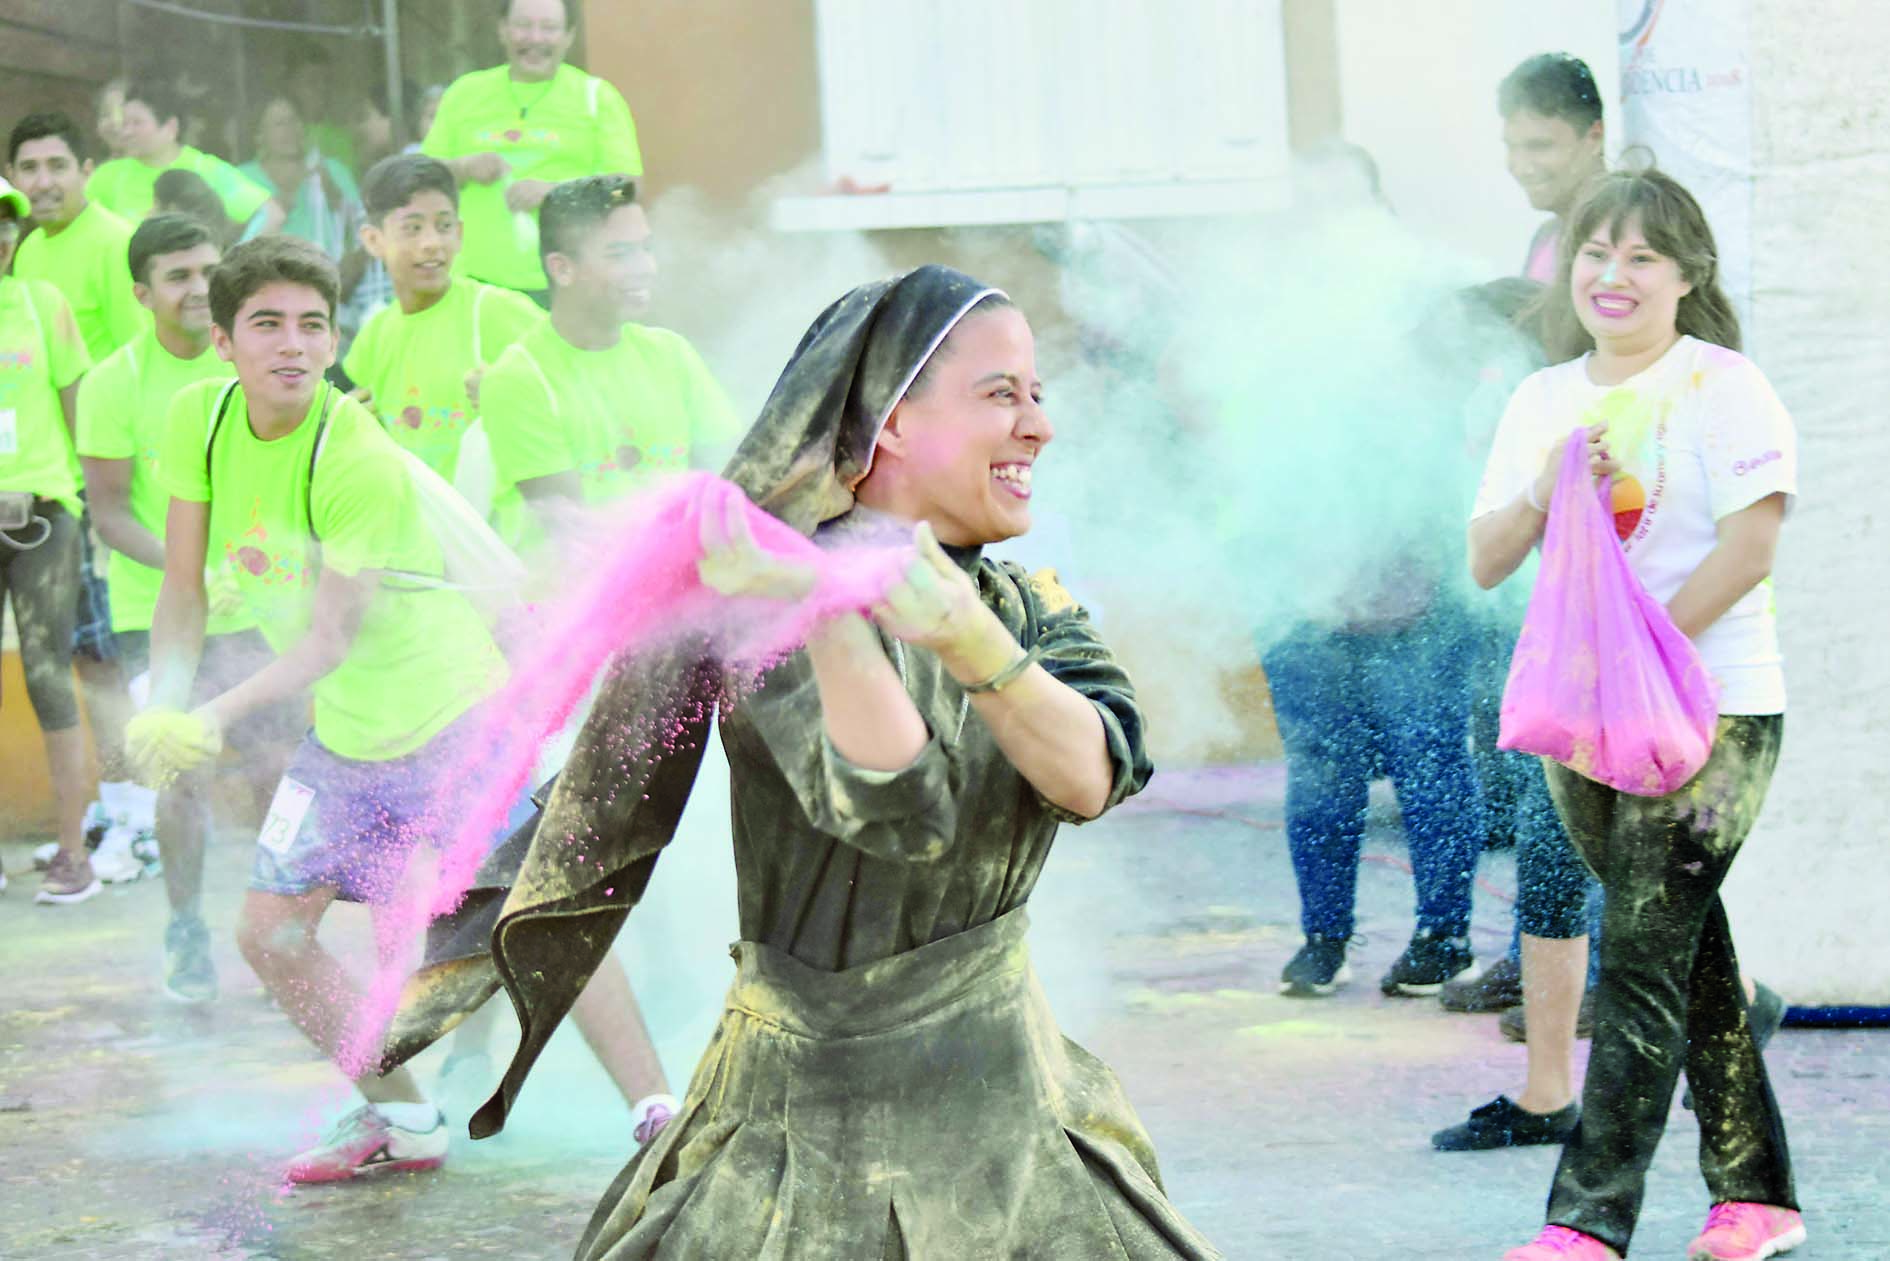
923	1106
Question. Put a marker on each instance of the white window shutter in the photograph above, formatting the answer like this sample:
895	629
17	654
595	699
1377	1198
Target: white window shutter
1022	110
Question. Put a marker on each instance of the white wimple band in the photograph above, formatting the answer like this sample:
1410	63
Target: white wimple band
879	425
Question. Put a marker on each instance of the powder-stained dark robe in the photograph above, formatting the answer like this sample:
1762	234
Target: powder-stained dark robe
886	1080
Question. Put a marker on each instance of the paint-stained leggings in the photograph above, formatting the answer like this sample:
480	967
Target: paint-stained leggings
1670	995
42	584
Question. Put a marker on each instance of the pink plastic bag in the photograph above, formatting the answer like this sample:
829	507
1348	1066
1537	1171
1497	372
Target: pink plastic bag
1602	681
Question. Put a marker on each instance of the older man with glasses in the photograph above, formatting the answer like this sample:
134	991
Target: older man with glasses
512	132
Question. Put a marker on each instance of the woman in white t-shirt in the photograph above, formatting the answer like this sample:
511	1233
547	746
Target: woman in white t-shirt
1703	463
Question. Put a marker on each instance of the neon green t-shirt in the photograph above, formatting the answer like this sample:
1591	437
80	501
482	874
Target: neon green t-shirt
86	262
416	365
128	188
618	417
573	125
41	353
422	656
124	402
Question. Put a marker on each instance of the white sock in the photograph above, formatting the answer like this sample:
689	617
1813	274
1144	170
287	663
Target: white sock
641	1109
419	1117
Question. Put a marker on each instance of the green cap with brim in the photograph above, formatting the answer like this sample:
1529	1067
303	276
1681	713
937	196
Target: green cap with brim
11	196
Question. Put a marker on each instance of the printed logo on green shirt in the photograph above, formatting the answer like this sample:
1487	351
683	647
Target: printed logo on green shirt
540	137
272	569
415	414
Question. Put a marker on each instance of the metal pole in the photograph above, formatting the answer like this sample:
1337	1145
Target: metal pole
390	44
245	135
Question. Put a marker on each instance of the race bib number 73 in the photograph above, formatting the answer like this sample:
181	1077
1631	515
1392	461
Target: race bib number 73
286	811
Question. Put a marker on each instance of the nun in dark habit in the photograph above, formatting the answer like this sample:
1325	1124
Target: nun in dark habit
886	1080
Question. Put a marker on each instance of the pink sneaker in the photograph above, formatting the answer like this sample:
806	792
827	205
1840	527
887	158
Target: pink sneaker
366	1142
1559	1243
1737	1231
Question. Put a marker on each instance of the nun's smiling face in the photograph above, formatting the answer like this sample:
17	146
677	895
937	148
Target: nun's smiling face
959	448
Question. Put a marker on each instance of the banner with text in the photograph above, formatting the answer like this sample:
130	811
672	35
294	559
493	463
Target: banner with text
1686	95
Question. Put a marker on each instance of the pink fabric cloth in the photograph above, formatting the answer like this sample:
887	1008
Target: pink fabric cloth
635	591
1602	681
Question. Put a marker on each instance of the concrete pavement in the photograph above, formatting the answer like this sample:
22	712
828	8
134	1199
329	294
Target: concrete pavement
131	1127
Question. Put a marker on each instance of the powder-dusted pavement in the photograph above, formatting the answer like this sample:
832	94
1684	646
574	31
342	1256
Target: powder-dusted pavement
130	1127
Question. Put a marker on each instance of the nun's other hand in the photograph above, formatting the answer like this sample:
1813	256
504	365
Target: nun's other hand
934	604
734	565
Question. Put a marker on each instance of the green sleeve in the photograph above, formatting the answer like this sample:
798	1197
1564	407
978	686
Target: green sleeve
181	467
519	412
104	429
102	185
442	139
712	418
362	362
505	316
125	316
67	358
363	508
617	151
242	197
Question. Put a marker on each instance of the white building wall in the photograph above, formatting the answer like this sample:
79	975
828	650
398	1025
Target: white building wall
1808	898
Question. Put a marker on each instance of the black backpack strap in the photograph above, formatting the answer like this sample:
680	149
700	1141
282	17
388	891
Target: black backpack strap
315	453
216	423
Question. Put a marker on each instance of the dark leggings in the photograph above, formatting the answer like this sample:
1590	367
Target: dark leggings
1670	995
43	584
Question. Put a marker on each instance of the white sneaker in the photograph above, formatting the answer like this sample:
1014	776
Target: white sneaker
113	860
43	855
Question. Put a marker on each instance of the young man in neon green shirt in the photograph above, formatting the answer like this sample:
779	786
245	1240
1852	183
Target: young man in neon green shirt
303	493
512	132
123	404
79	247
418	361
588	407
149	126
42	357
326	542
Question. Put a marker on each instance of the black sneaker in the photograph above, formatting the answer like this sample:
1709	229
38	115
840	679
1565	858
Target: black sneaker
1501	1123
1426	964
1496	988
1766	1015
189	975
1318	968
